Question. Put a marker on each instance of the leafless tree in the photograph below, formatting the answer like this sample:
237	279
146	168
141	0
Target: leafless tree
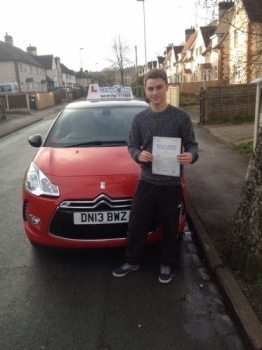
107	77
121	53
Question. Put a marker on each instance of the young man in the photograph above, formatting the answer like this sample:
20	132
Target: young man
162	193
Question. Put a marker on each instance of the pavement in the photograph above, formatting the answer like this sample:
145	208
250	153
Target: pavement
226	133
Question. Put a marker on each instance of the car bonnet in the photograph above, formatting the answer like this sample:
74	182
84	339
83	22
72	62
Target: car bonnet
86	161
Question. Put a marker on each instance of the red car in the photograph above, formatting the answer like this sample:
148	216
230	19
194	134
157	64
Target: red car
78	189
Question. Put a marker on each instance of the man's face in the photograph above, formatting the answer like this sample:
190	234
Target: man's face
155	90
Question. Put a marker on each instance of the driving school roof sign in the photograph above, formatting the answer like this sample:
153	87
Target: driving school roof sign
97	93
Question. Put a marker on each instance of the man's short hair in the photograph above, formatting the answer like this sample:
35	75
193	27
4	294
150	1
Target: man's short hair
155	73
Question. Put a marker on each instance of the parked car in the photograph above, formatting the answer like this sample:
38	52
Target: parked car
78	189
63	89
10	87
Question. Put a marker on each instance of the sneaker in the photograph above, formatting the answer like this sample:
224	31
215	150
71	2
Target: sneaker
165	275
123	270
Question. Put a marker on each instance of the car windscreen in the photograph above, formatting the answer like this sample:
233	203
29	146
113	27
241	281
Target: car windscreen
92	126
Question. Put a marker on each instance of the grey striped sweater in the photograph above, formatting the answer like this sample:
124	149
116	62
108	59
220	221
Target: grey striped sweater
172	122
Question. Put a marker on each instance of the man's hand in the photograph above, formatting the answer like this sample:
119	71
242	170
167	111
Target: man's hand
185	158
145	157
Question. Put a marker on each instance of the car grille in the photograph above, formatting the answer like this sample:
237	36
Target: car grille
62	224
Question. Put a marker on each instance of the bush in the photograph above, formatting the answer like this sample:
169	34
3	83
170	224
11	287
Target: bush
139	91
77	93
238	119
140	80
57	97
187	99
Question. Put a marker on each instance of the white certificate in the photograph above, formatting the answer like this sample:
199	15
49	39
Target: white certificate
165	151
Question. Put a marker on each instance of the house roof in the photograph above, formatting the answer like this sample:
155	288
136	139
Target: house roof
207	32
66	70
45	60
253	9
222	28
12	53
49	80
82	75
177	50
189	42
160	59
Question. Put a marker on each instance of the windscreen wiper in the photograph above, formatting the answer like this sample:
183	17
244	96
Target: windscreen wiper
100	143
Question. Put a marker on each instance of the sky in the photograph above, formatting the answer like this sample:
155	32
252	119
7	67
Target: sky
62	28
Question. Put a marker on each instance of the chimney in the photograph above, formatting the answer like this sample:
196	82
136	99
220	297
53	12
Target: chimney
189	32
223	6
32	50
8	39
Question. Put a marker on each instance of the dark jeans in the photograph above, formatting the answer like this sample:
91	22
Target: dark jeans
147	200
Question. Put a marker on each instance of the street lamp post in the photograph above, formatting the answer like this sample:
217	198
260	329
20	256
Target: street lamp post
97	74
144	32
81	65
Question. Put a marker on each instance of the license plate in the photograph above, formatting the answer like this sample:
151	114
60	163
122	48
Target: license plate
102	217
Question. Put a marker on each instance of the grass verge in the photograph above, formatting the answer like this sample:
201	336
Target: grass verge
245	148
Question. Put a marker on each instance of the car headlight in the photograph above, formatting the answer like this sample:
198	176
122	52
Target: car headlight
38	184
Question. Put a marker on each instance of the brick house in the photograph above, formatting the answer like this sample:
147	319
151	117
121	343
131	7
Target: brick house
245	55
20	66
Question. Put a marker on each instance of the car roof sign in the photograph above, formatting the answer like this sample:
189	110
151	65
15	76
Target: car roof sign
113	93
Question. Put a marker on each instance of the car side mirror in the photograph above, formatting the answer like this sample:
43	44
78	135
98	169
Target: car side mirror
35	140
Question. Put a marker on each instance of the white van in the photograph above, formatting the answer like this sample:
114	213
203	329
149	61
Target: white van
10	87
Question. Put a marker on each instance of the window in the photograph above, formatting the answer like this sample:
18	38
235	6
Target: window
36	70
54	71
215	73
37	86
22	86
29	69
195	76
20	67
236	72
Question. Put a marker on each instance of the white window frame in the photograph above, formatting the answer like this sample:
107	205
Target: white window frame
30	69
237	72
20	67
215	73
195	76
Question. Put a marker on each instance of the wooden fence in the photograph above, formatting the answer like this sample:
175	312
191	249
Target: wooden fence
226	102
22	101
172	96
